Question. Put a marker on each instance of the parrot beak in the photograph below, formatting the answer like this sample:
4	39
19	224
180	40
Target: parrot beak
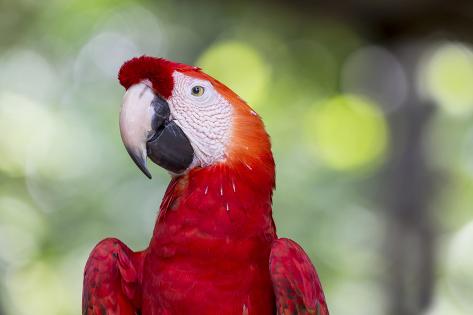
147	131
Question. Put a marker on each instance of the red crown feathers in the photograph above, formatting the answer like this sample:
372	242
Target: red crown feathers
157	70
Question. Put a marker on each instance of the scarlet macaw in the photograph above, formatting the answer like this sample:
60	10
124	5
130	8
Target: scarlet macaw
214	248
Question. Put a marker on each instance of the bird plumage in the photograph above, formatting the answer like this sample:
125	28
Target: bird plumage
214	248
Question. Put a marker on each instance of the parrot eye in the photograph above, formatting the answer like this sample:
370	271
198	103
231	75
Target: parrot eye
197	90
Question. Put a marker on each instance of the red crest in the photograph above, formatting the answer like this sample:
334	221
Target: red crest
157	70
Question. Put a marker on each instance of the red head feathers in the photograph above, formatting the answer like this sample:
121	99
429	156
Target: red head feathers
157	70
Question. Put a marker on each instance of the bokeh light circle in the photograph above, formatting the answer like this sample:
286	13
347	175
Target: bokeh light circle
16	217
105	52
27	73
40	140
347	132
443	305
377	74
41	284
239	66
459	271
138	25
446	77
28	128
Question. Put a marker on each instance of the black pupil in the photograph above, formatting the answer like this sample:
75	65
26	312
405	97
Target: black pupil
196	89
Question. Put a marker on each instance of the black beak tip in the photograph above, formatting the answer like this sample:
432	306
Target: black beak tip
140	162
143	168
147	173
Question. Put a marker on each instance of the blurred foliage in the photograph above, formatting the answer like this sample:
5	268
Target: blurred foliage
326	95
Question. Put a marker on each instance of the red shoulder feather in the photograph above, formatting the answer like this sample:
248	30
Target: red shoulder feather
112	280
295	281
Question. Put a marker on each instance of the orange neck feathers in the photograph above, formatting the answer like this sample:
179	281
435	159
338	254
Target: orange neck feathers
249	149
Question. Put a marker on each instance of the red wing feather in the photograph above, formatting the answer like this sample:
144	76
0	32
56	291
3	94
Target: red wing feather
111	280
295	281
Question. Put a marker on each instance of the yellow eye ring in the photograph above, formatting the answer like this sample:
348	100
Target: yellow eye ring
197	90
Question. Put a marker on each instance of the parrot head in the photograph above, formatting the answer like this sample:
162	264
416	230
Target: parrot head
183	119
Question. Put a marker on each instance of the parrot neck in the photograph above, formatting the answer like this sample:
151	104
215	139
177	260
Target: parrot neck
223	200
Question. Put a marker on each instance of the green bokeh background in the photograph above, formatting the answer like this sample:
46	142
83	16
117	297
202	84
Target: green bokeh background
328	93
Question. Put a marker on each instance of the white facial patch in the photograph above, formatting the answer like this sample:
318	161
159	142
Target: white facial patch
205	118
